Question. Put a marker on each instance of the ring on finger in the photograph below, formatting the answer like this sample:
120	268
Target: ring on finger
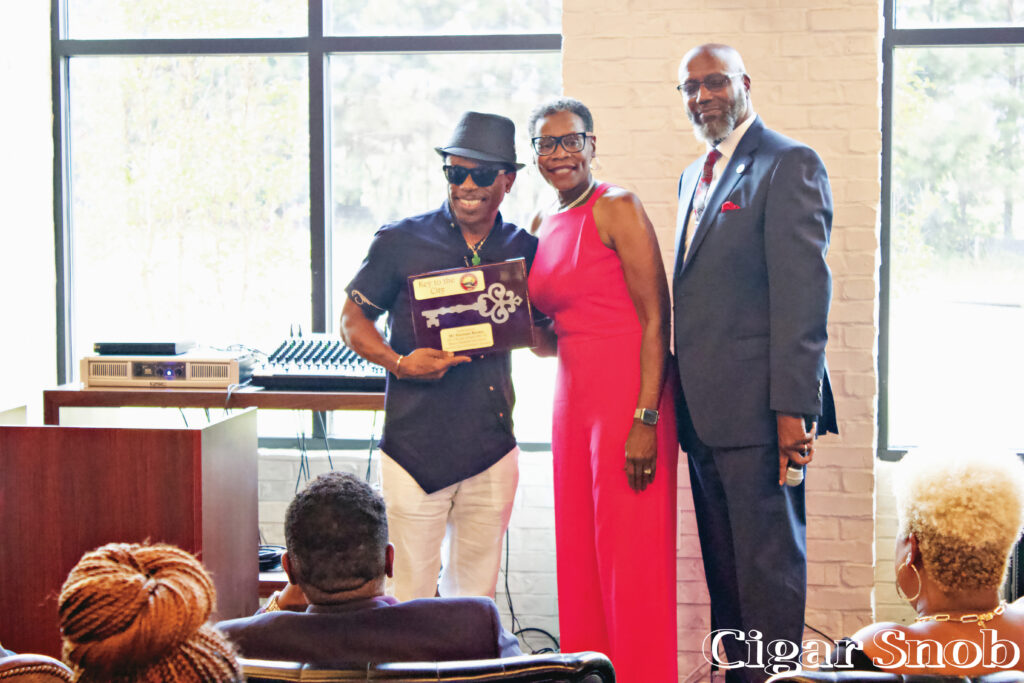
647	470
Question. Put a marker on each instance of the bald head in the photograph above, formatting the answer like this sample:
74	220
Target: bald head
716	90
725	54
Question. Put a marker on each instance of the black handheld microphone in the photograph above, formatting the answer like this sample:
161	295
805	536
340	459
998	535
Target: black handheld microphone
795	473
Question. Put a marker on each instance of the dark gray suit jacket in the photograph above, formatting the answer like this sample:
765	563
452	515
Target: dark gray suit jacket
751	299
376	630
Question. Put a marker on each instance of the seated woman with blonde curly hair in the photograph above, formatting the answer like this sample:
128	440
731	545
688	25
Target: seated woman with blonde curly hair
959	516
138	613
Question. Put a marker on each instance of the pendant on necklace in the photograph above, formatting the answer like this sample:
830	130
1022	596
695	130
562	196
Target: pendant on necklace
475	260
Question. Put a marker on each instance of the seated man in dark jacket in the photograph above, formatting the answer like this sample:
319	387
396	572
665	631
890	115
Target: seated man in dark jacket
334	611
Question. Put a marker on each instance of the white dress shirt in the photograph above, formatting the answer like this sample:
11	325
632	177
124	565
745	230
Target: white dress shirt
727	147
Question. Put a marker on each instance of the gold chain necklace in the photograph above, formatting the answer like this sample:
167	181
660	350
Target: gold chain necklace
978	619
581	199
475	248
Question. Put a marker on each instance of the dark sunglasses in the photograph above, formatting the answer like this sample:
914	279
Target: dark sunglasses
483	176
711	82
570	142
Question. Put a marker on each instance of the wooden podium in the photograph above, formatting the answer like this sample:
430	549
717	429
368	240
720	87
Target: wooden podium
67	490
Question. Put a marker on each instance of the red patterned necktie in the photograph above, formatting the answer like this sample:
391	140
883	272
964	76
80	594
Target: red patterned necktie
700	196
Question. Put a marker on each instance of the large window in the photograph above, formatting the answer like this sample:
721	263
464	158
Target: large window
953	225
222	164
190	198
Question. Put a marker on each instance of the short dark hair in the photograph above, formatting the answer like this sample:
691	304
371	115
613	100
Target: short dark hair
558	104
337	533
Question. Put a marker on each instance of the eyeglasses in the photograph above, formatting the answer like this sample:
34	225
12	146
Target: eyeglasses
711	82
483	176
570	142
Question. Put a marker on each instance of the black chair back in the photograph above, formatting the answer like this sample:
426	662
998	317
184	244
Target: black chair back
884	677
576	667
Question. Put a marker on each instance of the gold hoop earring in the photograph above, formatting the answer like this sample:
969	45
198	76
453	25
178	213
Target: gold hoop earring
899	591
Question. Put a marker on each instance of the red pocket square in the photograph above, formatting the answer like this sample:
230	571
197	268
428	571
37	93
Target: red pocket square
729	206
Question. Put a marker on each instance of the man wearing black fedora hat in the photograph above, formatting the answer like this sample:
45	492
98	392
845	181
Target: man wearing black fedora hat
449	460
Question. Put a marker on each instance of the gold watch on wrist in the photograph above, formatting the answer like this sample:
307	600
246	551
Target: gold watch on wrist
646	416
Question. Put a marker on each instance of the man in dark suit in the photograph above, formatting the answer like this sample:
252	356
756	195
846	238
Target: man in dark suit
751	293
334	611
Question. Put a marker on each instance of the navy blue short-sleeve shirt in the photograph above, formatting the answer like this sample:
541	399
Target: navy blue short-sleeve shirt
447	430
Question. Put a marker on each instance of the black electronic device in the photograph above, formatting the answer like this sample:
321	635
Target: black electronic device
318	362
270	557
142	348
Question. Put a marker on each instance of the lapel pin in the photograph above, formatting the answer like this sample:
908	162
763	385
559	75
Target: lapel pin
741	168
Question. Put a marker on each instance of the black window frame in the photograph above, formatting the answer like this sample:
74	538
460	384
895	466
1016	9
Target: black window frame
317	47
894	38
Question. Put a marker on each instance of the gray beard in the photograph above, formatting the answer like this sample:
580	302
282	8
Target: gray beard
715	132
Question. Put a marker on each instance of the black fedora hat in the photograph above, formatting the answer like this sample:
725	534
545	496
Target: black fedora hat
484	137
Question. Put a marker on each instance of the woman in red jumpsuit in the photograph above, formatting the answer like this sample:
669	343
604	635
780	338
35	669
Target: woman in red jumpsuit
599	277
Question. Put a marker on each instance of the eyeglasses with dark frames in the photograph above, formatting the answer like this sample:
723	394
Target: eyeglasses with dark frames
570	142
483	176
712	82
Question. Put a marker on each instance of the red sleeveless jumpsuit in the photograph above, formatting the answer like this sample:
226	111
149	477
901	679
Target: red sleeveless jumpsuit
616	547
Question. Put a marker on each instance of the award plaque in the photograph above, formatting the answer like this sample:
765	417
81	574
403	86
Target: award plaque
480	309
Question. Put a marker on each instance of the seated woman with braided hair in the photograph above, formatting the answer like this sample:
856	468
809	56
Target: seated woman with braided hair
959	516
139	613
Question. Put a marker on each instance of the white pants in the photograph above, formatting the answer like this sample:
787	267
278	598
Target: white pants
471	515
